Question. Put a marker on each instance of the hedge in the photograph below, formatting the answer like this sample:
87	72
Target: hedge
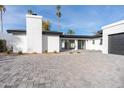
3	45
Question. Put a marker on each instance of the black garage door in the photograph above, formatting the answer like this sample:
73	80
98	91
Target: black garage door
116	44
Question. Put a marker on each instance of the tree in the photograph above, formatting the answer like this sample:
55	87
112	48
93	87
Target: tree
46	25
59	14
2	9
70	32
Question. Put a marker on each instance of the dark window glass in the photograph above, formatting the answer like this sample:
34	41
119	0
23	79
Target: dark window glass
93	42
100	41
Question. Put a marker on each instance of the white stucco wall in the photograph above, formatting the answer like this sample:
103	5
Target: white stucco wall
34	33
114	28
53	43
95	46
20	44
44	43
8	37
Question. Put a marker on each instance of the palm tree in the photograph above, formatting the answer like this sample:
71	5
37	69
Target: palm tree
59	14
2	9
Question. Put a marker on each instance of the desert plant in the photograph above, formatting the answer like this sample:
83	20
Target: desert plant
34	53
78	52
20	53
71	52
55	51
46	51
8	51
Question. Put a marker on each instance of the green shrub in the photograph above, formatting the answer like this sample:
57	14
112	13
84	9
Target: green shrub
71	52
20	53
8	51
2	45
46	51
55	51
34	52
78	52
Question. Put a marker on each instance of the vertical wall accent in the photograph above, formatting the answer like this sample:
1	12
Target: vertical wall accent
34	33
76	44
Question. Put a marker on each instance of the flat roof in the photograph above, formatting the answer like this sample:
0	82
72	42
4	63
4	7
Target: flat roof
80	36
18	31
15	31
52	33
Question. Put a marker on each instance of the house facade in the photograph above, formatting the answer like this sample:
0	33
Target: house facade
35	40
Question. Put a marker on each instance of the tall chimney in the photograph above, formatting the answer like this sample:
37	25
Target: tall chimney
34	33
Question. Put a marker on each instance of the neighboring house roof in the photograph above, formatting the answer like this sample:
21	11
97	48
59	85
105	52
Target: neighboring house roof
99	32
44	32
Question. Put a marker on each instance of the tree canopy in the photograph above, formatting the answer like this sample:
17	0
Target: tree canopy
46	25
70	32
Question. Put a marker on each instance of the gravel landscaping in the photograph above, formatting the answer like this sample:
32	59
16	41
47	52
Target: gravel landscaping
82	69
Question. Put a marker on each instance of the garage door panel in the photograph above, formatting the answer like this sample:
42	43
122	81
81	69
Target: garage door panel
116	44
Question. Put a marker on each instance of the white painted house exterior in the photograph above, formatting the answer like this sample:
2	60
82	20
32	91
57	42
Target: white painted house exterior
34	39
34	33
113	28
51	42
96	46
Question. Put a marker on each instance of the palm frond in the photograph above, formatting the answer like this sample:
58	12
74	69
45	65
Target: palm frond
58	7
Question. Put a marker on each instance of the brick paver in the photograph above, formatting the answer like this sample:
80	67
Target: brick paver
85	69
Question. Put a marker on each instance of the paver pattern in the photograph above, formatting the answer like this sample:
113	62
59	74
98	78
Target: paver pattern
64	70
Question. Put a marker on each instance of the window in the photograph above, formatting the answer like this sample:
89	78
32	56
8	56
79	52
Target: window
93	42
100	41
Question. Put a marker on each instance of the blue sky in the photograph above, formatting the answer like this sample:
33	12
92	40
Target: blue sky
82	19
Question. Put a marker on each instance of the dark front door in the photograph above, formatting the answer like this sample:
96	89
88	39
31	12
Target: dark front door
116	44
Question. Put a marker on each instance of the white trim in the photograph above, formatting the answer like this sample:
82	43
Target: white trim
113	24
34	16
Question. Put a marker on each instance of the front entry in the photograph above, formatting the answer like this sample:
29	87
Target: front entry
81	44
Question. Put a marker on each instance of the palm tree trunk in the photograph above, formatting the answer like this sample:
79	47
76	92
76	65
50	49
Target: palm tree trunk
1	21
58	24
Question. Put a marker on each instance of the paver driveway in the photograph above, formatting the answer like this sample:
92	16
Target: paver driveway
85	69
